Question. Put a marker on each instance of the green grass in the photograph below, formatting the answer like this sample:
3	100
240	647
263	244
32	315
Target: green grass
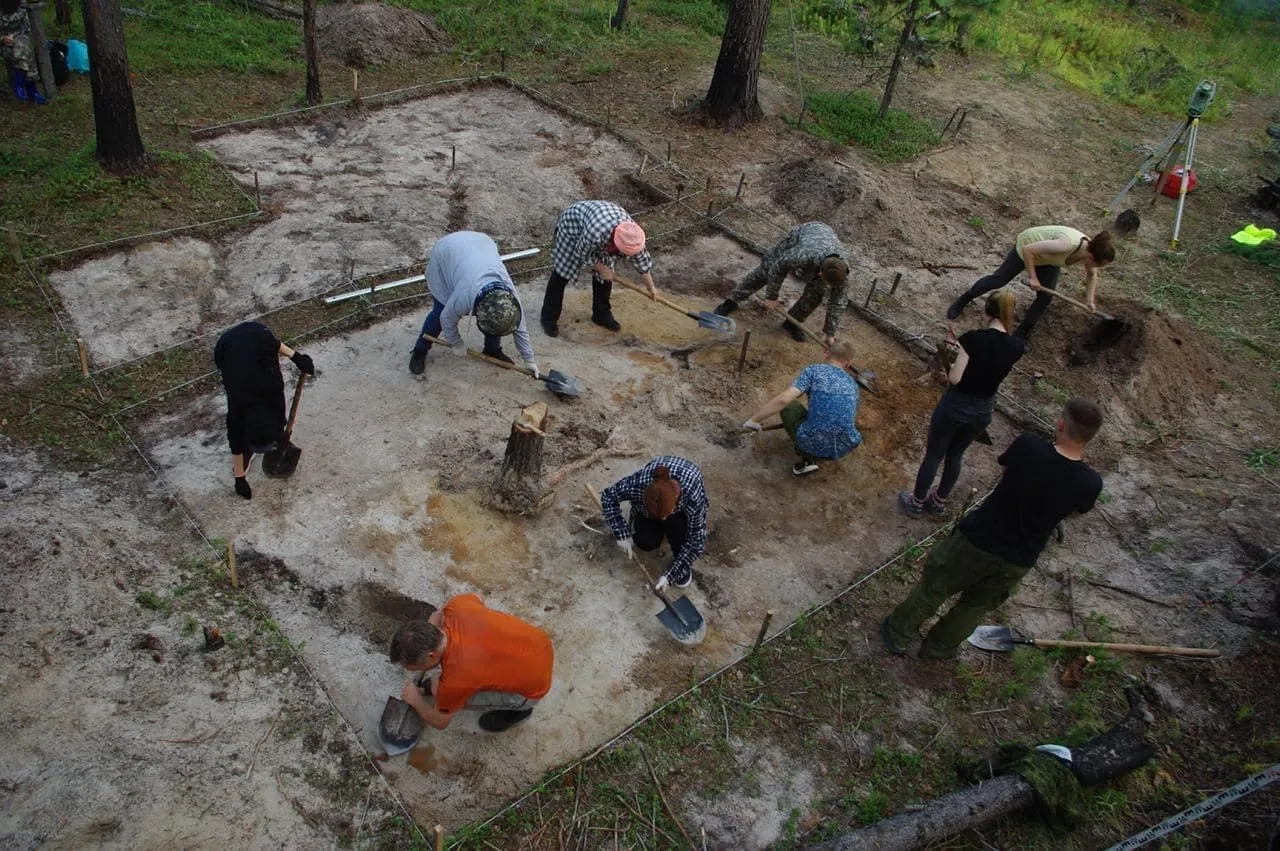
850	119
189	38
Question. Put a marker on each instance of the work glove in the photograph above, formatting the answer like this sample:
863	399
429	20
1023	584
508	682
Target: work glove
532	368
459	351
752	425
661	584
242	487
304	363
626	546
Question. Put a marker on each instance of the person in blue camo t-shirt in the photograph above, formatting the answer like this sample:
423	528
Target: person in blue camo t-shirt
825	431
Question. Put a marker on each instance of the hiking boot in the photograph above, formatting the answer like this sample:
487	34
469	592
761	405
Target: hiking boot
912	506
934	504
957	307
796	332
550	327
606	320
497	720
887	639
725	307
804	467
984	437
418	362
499	354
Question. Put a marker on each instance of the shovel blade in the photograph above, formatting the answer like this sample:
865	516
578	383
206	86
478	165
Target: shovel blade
563	385
683	620
716	322
281	463
995	638
399	727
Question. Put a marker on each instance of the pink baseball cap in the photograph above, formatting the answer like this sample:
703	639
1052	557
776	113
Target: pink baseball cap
628	238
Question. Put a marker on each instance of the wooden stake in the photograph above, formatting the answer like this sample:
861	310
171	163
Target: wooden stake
644	162
257	191
668	150
742	181
502	60
742	356
453	157
84	357
897	278
764	627
231	564
355	80
870	293
439	831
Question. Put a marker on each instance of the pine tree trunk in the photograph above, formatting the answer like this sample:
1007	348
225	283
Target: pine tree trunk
48	85
732	99
62	12
619	19
313	56
907	29
519	487
119	145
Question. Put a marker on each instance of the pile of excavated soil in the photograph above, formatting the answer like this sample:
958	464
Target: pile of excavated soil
362	34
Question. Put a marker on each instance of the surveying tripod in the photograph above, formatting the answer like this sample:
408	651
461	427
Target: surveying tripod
1181	139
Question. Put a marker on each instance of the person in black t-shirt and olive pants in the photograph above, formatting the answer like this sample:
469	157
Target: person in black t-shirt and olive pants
985	358
991	549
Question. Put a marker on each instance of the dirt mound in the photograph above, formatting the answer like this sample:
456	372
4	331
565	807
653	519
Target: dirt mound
362	34
813	190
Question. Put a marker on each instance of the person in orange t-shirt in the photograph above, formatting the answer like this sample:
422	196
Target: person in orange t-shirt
487	660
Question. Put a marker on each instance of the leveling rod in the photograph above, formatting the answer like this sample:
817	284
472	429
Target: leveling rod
517	255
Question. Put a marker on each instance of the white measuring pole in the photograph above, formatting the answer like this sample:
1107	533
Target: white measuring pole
516	255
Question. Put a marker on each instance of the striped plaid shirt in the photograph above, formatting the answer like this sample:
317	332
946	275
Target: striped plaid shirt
693	502
582	232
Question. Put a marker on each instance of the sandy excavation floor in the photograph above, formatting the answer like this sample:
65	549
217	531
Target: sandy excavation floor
384	518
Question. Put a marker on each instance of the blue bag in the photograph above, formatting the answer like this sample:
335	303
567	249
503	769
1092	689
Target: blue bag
77	56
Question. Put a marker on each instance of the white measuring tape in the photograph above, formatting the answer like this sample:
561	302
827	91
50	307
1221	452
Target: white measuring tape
1169	825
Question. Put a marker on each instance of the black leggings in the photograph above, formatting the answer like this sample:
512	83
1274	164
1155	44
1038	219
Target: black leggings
955	423
648	533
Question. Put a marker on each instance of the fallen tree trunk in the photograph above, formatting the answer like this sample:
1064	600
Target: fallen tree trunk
1113	754
518	487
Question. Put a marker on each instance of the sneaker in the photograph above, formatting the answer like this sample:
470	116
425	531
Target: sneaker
910	504
606	320
803	467
499	355
984	437
957	307
550	327
725	307
418	362
887	639
934	504
497	720
796	332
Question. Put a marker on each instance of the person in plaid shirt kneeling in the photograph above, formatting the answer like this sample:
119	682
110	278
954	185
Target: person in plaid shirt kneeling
668	500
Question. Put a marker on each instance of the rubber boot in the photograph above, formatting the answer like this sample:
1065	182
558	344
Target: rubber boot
601	309
18	79
33	92
552	304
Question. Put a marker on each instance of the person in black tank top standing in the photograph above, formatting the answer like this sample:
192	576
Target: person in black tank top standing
986	356
993	548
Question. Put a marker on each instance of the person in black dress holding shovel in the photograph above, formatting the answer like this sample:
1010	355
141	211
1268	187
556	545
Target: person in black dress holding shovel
248	356
986	357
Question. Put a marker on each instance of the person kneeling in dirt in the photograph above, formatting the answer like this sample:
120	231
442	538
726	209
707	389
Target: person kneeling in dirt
596	234
1042	252
465	276
814	254
248	358
668	499
825	430
992	548
486	660
986	356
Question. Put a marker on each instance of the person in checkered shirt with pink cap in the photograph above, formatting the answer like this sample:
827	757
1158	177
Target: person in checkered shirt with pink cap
596	234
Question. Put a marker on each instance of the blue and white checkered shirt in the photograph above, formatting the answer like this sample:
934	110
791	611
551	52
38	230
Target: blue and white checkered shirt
693	502
582	232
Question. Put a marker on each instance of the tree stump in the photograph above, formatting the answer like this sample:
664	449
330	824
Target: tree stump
518	487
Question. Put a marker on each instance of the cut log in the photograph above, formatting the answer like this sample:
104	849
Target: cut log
518	487
1118	751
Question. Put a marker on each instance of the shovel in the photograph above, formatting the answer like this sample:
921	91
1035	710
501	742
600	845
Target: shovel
864	377
1114	324
280	463
400	726
704	318
564	386
1002	640
681	618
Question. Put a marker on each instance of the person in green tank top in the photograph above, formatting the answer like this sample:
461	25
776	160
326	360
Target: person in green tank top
1041	252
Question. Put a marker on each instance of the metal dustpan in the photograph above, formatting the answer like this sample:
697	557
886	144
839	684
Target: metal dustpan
399	727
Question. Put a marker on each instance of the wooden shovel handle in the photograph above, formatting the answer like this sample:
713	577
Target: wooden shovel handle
478	355
1077	303
595	496
293	407
1127	648
663	300
816	339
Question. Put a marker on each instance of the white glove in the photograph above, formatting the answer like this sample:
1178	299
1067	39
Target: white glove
661	583
532	368
752	425
459	351
626	546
